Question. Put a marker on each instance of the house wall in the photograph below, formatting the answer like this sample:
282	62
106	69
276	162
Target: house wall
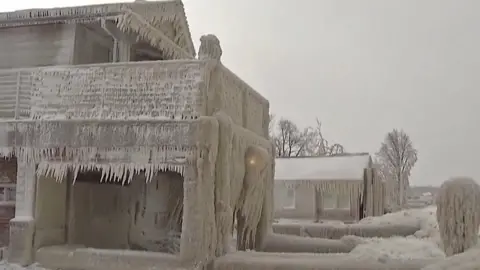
50	212
38	45
305	205
91	47
281	198
110	216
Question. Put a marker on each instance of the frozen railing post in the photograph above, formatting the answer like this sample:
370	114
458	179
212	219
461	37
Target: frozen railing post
210	48
458	214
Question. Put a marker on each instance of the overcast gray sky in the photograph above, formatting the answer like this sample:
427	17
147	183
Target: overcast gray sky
363	67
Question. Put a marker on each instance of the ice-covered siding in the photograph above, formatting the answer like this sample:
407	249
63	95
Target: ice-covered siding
304	205
29	46
38	45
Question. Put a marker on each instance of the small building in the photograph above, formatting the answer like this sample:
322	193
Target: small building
341	187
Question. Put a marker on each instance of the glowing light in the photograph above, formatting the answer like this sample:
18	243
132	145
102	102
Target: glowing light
252	161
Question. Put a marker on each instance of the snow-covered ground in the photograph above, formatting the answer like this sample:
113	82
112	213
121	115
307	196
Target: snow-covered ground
6	266
424	244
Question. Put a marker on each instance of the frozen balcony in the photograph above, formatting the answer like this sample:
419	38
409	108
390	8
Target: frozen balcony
136	106
128	91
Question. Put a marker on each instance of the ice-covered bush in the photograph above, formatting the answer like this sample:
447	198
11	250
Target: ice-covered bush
458	214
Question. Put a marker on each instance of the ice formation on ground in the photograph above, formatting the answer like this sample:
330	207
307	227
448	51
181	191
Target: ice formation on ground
458	214
6	266
425	244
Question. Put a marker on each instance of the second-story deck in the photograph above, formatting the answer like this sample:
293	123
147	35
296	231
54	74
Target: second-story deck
119	111
162	90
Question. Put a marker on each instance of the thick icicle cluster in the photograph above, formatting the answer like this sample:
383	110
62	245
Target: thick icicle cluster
133	22
118	149
458	214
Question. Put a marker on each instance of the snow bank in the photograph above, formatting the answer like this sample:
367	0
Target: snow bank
469	260
304	261
398	248
6	266
331	231
296	244
418	225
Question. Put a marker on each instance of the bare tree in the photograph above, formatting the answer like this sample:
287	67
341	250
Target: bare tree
288	139
396	158
317	145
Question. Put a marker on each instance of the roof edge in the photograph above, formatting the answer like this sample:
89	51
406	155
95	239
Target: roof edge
85	13
337	155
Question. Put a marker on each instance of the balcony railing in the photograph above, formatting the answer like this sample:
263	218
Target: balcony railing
179	89
158	89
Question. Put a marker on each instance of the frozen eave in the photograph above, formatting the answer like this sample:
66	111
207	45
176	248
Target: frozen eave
112	146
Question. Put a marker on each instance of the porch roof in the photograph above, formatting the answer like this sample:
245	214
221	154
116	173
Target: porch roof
113	146
349	167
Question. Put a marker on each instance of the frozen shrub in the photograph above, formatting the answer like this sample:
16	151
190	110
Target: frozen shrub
458	214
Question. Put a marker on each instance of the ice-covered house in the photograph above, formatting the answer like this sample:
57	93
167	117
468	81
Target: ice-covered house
124	139
342	187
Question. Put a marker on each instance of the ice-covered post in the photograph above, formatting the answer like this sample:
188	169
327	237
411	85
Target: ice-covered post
199	233
458	214
22	225
209	48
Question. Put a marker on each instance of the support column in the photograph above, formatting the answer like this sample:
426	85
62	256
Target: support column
199	233
124	51
22	226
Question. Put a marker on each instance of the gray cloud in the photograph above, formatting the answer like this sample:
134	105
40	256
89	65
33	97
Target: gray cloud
363	67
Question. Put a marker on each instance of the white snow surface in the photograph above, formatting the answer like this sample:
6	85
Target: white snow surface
6	266
425	244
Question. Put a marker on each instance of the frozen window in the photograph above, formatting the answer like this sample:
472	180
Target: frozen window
290	198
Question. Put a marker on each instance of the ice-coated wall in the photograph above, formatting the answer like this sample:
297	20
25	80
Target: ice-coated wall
35	46
102	215
230	94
